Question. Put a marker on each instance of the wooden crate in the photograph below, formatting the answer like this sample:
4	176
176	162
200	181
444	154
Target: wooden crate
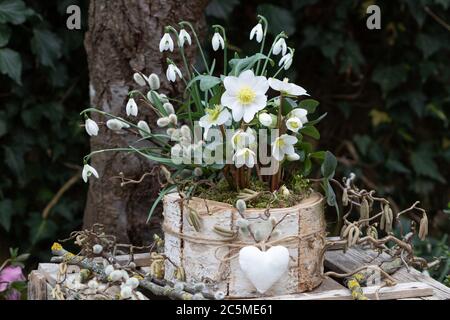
412	284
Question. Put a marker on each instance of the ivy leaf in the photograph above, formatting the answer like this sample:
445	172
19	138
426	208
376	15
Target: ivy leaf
309	105
206	82
329	165
389	77
311	131
14	11
11	64
279	19
47	46
427	44
5	34
424	165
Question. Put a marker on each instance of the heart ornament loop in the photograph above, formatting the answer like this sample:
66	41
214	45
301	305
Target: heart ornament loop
264	268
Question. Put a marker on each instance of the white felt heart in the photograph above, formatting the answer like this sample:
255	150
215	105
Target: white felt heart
264	268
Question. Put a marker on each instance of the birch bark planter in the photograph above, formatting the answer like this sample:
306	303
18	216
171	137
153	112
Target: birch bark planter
200	252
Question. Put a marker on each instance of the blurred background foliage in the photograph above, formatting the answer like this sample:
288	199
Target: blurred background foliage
386	93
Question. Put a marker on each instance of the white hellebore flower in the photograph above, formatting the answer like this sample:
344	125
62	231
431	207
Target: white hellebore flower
166	43
258	32
116	124
283	145
286	87
245	95
132	108
244	156
88	171
172	71
91	127
217	41
144	129
139	79
216	116
242	139
294	124
286	61
279	46
184	36
300	113
267	120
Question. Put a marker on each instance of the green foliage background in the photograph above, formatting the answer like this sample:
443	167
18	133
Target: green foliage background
386	93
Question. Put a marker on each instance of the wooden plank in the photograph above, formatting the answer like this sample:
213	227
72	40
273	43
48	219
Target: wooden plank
399	291
327	285
356	257
37	286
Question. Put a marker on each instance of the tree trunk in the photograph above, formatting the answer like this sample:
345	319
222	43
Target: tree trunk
123	37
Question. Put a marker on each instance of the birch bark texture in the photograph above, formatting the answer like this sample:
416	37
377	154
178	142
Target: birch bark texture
201	259
124	36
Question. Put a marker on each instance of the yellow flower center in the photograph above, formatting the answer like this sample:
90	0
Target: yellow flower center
279	143
294	124
214	113
246	95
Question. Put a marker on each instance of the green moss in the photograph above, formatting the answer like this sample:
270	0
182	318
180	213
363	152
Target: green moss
298	186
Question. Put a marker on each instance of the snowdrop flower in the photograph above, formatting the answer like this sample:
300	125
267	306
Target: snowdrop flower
245	95
109	269
166	43
244	156
294	124
116	275
286	61
216	116
126	292
267	120
283	145
88	171
293	157
184	36
173	119
97	248
172	72
91	127
242	139
133	283
144	128
279	46
286	87
163	122
258	32
168	107
153	81
92	284
132	108
217	41
116	124
300	113
139	79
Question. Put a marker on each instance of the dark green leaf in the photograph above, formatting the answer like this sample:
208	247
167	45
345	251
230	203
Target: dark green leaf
329	165
390	77
221	8
11	64
14	11
429	44
309	105
47	46
279	18
424	165
5	34
310	131
6	212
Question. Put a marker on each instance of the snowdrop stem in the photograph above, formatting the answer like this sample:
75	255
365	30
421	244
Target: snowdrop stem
266	25
224	36
89	156
280	35
182	23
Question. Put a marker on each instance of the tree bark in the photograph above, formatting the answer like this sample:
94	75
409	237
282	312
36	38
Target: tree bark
123	37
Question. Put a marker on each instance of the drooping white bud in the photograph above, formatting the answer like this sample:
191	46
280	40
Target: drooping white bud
153	81
116	275
144	128
133	283
279	47
168	107
88	171
115	124
286	61
132	108
91	127
292	157
166	43
139	79
184	37
173	119
217	42
126	292
125	275
172	72
97	248
163	122
258	32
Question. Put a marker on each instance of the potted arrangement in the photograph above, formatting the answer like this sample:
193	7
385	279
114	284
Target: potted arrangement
239	213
